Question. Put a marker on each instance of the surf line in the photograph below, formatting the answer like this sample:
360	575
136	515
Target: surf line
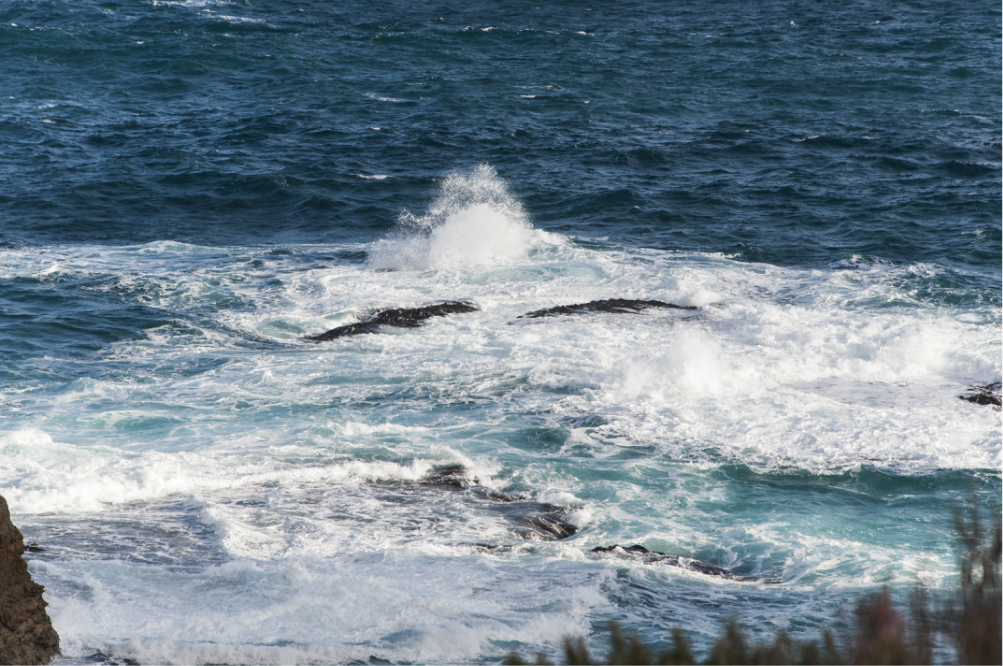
981	394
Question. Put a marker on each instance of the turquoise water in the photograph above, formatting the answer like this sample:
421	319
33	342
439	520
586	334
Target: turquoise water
190	188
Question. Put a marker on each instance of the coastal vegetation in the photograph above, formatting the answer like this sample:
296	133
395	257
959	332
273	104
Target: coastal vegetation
968	623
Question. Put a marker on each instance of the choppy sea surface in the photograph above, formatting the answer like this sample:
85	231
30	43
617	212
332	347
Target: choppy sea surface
189	188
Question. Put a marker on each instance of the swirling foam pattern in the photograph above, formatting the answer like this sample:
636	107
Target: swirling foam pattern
187	189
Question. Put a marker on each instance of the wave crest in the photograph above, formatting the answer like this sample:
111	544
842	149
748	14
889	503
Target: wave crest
473	221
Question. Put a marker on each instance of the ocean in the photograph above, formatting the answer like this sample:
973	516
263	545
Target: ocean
190	189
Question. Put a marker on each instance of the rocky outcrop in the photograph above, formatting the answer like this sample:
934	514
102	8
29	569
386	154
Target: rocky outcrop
399	317
531	520
412	317
454	476
26	633
541	521
621	305
984	394
655	557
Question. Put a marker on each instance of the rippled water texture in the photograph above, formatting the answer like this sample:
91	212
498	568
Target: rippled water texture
189	190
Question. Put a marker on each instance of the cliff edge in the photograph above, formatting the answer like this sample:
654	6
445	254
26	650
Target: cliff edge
26	633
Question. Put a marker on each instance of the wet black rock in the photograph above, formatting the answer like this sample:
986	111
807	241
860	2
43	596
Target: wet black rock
984	394
620	305
639	550
539	520
448	475
399	317
655	557
26	633
533	520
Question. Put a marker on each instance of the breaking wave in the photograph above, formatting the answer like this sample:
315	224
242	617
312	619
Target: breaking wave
473	221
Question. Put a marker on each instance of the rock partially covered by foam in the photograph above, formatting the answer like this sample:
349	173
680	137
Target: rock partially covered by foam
26	633
984	394
655	557
621	305
532	520
398	317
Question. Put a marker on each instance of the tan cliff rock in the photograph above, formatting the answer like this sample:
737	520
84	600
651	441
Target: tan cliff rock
26	633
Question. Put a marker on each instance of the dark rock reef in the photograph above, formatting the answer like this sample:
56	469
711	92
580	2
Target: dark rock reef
26	633
984	394
398	317
654	557
620	305
546	522
533	520
540	521
454	476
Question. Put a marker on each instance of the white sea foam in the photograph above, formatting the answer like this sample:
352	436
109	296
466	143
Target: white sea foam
48	476
473	221
893	372
238	19
269	613
197	4
380	98
277	478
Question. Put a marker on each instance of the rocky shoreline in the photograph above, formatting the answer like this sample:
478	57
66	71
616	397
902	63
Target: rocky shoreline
26	633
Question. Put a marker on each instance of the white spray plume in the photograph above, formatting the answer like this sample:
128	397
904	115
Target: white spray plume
473	221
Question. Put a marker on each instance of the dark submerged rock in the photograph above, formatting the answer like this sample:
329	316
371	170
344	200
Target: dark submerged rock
100	657
547	522
533	520
489	547
641	550
655	557
621	305
398	317
984	394
538	520
448	475
26	633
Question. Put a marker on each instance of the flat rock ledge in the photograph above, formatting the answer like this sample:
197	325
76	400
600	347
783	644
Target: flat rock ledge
398	318
617	305
26	633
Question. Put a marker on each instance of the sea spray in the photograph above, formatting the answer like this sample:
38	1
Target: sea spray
473	221
218	495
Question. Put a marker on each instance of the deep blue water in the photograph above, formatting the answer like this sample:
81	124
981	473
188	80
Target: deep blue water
188	188
791	133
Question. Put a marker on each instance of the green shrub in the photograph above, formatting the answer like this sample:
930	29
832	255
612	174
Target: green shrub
882	635
974	615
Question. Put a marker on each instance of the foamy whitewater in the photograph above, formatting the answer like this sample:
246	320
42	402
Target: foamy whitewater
217	489
191	189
